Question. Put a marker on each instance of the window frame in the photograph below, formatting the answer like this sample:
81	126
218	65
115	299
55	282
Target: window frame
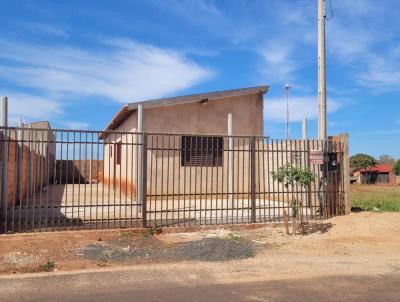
202	151
118	153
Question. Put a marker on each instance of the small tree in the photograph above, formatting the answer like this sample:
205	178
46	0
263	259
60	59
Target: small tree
361	161
396	168
290	175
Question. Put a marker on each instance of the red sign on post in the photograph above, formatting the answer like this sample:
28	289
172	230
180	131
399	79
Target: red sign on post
317	157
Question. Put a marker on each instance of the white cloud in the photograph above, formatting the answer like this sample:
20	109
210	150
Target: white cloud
348	43
278	65
299	107
46	29
122	70
356	7
75	125
382	72
388	132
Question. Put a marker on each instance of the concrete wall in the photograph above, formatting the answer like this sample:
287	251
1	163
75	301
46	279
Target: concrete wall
75	171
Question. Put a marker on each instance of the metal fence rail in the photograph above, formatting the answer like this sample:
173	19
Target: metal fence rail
236	185
71	179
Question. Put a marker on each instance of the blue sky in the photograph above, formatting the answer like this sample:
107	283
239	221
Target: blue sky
75	62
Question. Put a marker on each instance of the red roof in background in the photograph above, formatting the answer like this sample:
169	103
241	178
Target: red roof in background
378	169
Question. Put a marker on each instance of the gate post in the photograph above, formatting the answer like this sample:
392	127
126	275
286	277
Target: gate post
139	150
344	138
253	178
4	159
144	179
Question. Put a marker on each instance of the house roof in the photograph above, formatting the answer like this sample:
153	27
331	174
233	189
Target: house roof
378	169
129	108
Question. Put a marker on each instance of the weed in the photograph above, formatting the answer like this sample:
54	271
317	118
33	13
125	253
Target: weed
103	257
249	254
152	231
126	234
235	237
48	266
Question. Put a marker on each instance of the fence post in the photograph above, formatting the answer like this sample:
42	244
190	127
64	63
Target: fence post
344	138
139	164
230	160
144	179
4	158
253	178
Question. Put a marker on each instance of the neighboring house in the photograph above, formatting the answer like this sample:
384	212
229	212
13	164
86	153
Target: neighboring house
204	113
379	174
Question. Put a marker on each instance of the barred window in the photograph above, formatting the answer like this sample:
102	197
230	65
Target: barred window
118	153
202	151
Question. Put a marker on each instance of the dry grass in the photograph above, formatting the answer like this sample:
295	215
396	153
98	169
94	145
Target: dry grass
376	197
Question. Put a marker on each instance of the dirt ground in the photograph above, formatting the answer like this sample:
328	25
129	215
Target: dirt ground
359	243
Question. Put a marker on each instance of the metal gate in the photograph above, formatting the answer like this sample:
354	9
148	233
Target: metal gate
55	179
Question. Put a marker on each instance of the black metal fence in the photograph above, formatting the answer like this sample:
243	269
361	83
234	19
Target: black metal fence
69	179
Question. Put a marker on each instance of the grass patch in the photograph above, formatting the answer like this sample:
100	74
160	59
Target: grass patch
48	266
235	237
376	197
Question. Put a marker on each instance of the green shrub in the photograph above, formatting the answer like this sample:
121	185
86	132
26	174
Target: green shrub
48	266
290	175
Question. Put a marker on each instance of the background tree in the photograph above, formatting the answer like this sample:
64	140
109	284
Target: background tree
396	168
362	161
386	159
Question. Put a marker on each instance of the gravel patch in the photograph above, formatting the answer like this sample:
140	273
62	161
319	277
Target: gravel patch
206	249
213	249
105	252
18	259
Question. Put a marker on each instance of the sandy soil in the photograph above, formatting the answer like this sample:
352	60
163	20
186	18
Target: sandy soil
359	243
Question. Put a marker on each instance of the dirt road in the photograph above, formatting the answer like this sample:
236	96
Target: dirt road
361	250
333	288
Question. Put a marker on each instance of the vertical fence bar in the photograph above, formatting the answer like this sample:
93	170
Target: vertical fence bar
246	185
19	152
138	155
151	175
253	179
230	160
173	180
144	179
4	161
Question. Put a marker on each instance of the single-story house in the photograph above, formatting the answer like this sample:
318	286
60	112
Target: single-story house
379	174
188	116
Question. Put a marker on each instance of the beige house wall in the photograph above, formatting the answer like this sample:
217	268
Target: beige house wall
191	118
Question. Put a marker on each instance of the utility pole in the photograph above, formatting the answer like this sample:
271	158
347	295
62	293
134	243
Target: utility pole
287	88
304	129
322	122
4	154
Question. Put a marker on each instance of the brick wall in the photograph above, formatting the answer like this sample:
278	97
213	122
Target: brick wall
75	171
35	169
